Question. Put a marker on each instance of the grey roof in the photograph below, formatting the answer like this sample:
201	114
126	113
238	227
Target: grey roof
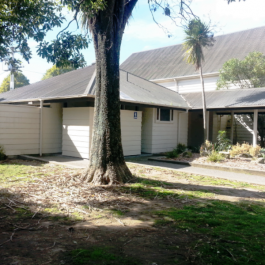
167	62
225	99
66	85
75	84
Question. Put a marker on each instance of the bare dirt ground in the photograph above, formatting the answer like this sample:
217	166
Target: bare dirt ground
47	214
246	163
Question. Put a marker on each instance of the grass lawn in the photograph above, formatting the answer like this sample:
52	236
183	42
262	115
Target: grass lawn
161	217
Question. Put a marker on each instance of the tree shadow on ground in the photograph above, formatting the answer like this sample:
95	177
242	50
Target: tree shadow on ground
144	222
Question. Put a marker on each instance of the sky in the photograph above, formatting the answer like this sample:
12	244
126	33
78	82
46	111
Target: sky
142	33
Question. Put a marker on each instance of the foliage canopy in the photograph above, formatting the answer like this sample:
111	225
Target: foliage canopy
246	73
20	80
54	71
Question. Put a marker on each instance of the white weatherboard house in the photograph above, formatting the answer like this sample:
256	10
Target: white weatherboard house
160	104
227	109
56	116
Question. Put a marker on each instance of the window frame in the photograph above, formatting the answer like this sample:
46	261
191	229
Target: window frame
158	116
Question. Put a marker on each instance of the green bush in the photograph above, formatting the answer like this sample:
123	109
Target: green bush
215	157
2	153
223	143
181	148
172	154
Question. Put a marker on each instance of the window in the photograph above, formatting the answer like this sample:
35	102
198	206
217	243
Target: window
164	114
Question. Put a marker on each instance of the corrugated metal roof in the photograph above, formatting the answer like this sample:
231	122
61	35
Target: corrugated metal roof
225	99
167	62
75	83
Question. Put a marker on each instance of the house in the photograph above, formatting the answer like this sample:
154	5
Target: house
160	98
56	116
165	66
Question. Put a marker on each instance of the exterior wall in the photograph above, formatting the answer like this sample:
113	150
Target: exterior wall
147	130
19	129
77	131
220	124
52	129
131	132
77	123
159	136
192	84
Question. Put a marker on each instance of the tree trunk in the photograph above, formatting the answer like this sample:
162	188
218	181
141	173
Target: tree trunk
107	164
203	106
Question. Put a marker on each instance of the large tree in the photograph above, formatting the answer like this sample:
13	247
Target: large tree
20	80
106	22
198	36
54	71
246	73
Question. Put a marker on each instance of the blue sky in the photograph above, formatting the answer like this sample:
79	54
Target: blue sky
142	33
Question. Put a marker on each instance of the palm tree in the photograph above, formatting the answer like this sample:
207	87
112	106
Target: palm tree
198	36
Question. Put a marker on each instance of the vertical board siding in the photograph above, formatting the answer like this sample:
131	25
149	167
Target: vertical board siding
78	126
76	131
19	129
52	129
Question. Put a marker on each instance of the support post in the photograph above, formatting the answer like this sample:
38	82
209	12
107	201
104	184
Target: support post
232	127
12	81
178	114
255	128
207	124
41	114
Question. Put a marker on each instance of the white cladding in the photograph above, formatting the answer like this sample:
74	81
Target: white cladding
78	125
162	136
52	129
191	85
20	129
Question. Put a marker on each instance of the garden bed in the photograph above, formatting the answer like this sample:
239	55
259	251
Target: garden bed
241	163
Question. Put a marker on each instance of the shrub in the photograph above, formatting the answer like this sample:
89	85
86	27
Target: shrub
240	149
181	148
223	143
215	157
207	148
2	153
254	151
172	154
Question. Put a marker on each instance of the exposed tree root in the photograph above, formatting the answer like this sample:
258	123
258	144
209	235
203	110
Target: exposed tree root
113	175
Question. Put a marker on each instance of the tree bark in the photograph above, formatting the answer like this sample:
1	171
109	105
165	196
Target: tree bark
203	106
107	164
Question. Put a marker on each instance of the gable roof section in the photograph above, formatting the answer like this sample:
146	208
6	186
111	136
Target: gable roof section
79	83
167	62
228	99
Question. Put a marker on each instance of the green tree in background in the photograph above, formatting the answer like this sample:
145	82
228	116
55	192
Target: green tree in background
54	71
246	73
20	80
198	36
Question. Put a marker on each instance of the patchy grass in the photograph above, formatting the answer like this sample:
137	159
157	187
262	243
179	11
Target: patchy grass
97	256
162	217
234	233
